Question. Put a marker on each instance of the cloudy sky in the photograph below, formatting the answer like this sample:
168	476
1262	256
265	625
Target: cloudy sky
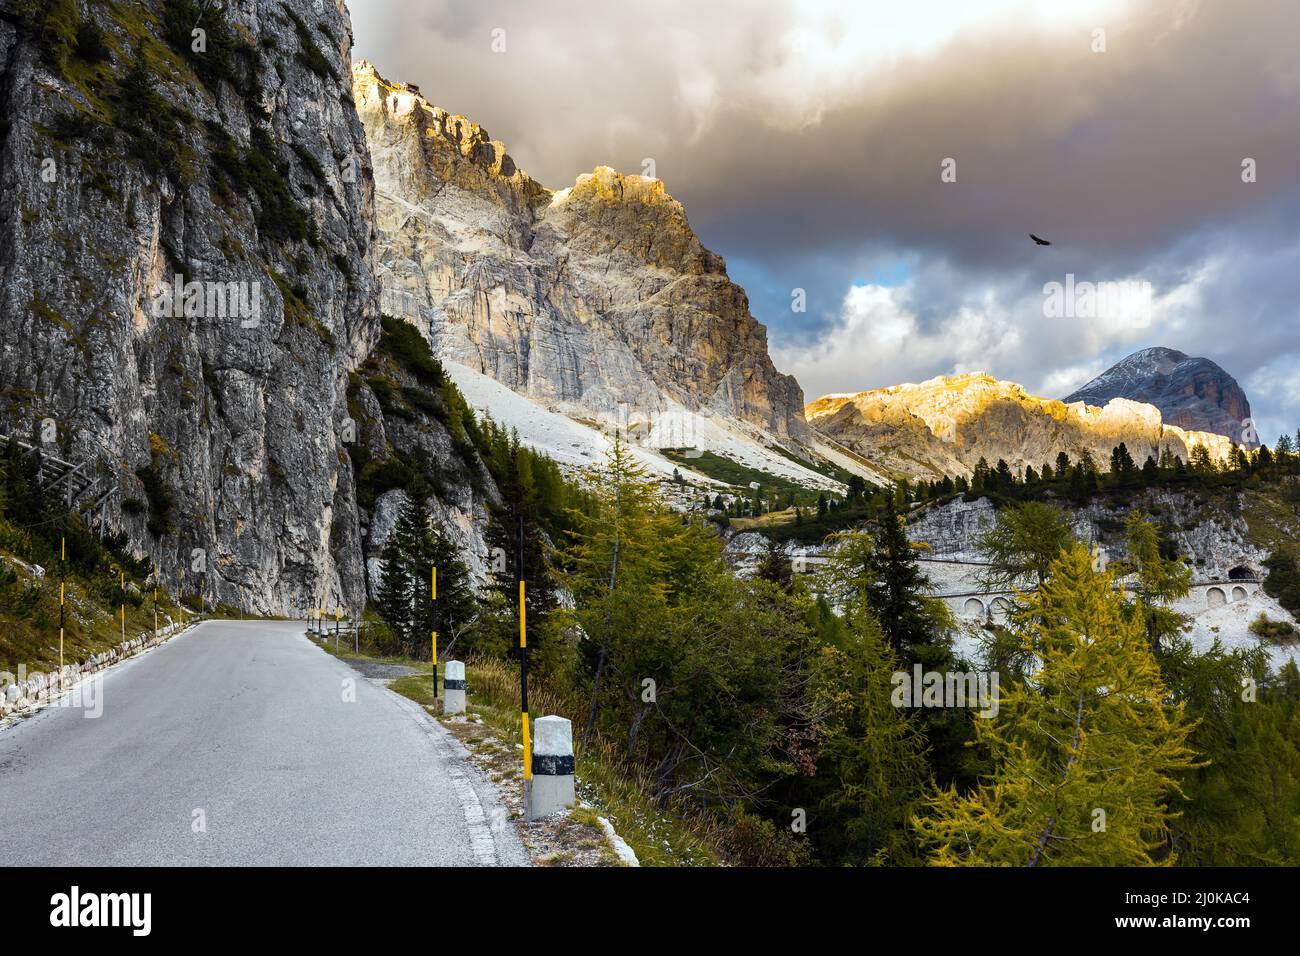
808	142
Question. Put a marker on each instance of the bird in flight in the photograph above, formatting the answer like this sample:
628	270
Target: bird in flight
1041	242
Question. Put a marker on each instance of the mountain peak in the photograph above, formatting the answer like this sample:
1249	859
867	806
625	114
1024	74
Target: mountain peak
944	425
597	301
1191	392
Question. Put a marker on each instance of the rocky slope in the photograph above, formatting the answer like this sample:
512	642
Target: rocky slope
1192	393
945	425
218	425
1212	537
597	300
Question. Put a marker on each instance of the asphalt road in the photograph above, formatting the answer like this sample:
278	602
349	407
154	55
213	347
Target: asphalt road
243	727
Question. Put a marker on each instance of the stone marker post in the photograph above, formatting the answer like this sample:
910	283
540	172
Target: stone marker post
552	789
453	688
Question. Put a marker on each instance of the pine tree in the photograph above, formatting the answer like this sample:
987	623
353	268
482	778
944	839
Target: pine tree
872	773
455	611
1150	471
515	529
1086	754
1263	459
895	588
1003	480
775	565
400	592
1200	462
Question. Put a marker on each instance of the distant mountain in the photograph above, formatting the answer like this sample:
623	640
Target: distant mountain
1192	393
944	426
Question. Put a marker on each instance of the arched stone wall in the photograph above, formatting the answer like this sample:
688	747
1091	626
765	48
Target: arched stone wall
1215	597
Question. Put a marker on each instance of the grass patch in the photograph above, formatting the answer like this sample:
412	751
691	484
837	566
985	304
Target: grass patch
29	615
660	836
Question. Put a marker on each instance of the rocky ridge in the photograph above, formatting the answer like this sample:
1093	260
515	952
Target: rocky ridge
597	300
945	425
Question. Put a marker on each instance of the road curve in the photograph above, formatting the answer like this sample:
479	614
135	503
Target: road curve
235	744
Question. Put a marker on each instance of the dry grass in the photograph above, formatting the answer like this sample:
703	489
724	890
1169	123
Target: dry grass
660	836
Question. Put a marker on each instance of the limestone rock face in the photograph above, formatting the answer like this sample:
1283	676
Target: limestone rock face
247	167
945	425
1192	393
598	300
1212	538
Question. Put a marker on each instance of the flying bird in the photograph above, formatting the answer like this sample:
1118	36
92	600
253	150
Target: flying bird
1041	242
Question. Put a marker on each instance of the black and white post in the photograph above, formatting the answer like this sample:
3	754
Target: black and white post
453	688
552	789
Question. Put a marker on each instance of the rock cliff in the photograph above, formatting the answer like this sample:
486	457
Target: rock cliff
187	288
598	300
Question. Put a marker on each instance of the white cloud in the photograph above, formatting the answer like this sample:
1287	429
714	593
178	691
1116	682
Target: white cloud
878	339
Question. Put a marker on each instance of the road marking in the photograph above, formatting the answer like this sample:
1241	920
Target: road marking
482	843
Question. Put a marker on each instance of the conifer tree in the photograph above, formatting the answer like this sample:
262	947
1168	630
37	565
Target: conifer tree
454	612
515	529
1156	581
1022	544
397	582
775	565
1086	753
872	771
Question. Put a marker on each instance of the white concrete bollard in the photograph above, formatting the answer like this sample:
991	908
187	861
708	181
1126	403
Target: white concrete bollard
453	688
552	786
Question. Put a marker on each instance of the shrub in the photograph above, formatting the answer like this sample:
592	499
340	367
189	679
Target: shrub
749	840
309	54
162	504
91	47
405	345
227	56
155	127
1273	631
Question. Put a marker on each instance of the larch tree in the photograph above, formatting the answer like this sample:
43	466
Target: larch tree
1086	751
1156	580
1022	544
